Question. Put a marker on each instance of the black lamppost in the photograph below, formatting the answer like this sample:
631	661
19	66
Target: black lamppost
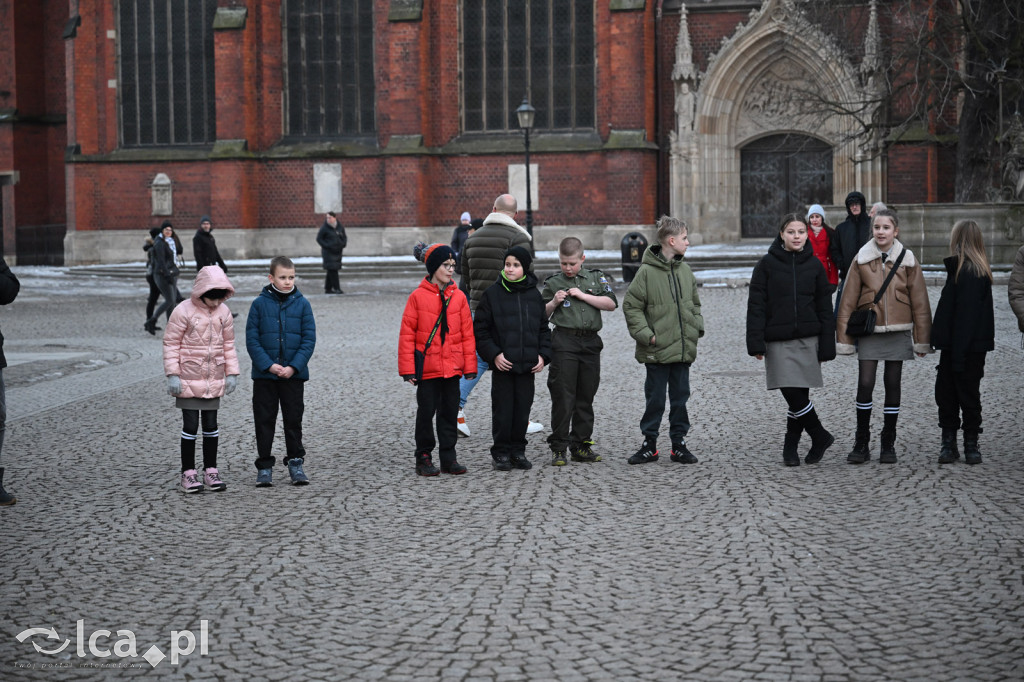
525	114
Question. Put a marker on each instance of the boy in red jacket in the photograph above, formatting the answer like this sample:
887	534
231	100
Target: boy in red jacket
435	348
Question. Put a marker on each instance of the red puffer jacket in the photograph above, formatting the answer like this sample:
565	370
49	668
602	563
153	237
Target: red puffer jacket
453	357
199	342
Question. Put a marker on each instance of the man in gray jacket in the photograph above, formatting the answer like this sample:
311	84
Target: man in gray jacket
483	258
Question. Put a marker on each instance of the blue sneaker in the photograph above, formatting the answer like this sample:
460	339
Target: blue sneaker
296	472
263	478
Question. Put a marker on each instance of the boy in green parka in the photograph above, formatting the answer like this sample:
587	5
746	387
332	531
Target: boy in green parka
662	311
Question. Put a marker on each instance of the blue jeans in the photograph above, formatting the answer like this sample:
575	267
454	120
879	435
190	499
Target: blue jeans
676	378
466	385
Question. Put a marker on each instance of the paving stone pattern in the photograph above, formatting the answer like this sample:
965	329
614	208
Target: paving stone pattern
733	569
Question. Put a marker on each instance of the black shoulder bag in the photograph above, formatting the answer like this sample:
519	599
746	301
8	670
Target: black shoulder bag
419	357
862	322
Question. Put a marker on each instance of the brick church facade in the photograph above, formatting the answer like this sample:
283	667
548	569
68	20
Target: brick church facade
400	115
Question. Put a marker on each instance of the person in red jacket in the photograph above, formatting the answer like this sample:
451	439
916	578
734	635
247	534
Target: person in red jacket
436	347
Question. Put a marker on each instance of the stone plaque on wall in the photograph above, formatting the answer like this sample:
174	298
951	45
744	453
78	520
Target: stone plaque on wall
326	187
517	185
161	195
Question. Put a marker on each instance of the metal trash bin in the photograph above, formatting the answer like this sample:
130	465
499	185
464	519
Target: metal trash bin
633	246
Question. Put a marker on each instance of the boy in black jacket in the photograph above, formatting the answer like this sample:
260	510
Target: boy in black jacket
513	337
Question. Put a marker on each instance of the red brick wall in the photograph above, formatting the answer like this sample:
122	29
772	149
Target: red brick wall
923	173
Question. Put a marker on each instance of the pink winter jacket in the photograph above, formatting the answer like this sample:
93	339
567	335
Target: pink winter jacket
199	343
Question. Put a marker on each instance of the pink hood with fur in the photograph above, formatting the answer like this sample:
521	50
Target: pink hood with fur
199	343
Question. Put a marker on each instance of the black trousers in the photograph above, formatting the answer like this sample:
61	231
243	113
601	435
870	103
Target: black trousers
438	397
154	295
573	377
331	282
169	290
511	400
267	394
957	392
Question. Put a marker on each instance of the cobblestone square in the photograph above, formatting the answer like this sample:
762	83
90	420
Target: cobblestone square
736	568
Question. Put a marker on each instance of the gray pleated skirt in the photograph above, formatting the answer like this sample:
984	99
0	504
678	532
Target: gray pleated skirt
197	403
886	346
793	364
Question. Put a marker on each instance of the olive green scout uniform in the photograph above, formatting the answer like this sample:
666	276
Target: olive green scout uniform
575	369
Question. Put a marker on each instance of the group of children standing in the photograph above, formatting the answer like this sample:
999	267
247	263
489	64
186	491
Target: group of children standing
790	325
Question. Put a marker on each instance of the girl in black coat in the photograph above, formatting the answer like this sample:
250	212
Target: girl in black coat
790	326
963	330
513	337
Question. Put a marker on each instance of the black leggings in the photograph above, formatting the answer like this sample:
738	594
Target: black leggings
891	379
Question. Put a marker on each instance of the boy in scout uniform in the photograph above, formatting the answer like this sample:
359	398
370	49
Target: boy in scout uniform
574	299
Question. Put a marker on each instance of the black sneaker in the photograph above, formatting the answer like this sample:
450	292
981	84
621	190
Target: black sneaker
502	463
558	458
583	453
682	455
648	452
520	462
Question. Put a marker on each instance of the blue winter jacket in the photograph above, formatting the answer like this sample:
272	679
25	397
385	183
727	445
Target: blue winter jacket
280	330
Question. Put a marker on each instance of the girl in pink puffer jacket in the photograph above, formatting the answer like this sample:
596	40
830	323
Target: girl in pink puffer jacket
201	365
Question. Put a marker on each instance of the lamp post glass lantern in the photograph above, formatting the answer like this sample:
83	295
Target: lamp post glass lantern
525	114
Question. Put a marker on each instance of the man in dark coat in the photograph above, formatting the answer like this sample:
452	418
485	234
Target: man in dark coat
852	233
332	240
205	246
9	288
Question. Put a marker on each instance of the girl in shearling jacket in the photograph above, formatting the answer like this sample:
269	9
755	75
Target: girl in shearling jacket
201	365
902	329
437	301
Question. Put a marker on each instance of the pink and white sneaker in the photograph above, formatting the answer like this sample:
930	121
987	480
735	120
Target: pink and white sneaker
213	479
190	481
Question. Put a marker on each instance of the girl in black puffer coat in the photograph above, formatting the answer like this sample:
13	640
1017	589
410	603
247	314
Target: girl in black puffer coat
790	326
513	337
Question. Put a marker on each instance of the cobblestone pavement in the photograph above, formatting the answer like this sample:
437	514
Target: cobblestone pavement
733	569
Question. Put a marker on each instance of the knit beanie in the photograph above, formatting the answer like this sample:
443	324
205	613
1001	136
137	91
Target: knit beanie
205	219
166	223
435	256
465	216
816	208
522	255
154	231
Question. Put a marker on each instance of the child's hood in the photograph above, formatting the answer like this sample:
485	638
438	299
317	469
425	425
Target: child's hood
210	277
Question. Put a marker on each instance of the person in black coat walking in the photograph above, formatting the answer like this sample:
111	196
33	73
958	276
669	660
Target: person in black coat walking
513	337
963	330
165	274
852	233
205	246
790	326
332	240
9	288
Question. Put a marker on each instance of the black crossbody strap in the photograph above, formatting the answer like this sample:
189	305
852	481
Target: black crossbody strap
895	267
437	325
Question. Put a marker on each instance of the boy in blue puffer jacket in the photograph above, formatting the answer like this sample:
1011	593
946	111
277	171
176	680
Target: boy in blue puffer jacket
280	335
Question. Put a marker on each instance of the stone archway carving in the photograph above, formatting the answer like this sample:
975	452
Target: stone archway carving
751	88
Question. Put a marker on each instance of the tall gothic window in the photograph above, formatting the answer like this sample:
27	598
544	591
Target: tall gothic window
544	48
329	53
166	72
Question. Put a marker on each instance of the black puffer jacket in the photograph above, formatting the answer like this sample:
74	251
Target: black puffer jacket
790	298
9	288
964	320
483	255
510	319
332	241
853	233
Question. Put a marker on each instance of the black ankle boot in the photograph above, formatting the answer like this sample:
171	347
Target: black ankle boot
6	499
790	452
971	453
887	455
948	453
450	465
821	440
501	462
860	452
424	467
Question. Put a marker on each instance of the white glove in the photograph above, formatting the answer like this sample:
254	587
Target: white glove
174	384
230	384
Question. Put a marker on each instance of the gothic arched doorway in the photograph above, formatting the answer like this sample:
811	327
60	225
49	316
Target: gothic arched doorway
780	174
